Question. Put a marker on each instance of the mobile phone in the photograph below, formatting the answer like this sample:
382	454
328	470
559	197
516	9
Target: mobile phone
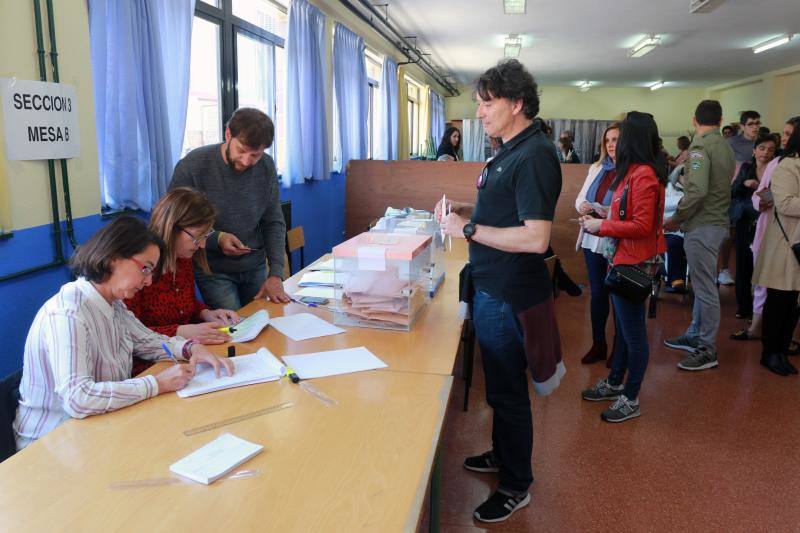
316	300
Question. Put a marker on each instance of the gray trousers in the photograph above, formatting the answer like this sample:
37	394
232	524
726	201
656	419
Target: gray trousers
702	247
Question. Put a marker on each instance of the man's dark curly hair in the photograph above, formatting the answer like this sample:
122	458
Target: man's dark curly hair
509	79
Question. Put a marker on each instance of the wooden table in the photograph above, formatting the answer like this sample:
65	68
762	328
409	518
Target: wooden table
362	464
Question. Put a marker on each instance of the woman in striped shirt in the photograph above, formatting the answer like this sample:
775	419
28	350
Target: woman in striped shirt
80	347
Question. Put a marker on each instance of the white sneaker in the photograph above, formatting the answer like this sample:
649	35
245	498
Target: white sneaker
725	278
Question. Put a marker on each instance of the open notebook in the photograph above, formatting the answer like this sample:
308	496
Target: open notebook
215	459
249	328
252	368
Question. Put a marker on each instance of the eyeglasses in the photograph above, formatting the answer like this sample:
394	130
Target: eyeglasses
146	270
201	238
754	123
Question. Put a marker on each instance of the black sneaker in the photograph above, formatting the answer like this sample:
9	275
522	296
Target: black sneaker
500	506
603	390
485	462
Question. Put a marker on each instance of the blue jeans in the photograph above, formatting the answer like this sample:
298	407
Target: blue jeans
230	291
631	351
504	364
597	267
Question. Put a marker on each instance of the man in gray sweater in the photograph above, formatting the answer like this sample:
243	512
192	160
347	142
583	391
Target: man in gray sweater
241	182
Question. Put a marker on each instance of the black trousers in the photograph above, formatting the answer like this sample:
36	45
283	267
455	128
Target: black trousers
745	231
780	319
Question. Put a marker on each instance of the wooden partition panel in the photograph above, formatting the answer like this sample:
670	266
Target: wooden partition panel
374	185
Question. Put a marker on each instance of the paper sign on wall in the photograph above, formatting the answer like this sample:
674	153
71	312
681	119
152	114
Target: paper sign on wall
40	119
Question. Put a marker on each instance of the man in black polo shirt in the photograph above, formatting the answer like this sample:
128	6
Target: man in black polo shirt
506	280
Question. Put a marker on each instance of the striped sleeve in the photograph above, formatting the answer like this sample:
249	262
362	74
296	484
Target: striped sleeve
146	342
70	358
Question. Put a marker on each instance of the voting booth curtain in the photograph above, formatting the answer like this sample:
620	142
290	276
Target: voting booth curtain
388	123
307	153
140	52
587	134
474	141
352	100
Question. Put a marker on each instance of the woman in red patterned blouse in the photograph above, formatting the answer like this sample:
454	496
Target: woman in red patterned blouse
183	219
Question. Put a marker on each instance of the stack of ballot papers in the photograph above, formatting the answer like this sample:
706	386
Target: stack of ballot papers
383	296
322	278
215	459
253	368
322	265
249	328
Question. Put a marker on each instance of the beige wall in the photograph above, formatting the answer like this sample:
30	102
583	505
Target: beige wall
776	95
27	191
671	108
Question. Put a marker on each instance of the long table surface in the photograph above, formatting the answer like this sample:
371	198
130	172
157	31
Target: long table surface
362	464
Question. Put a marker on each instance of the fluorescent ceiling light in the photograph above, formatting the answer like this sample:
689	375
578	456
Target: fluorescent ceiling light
704	6
657	85
513	45
645	45
585	86
514	7
772	43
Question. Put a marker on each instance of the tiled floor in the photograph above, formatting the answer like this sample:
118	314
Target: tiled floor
713	451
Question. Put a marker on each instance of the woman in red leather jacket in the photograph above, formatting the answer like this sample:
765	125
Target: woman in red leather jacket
636	228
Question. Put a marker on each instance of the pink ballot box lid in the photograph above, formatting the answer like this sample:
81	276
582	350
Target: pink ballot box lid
394	246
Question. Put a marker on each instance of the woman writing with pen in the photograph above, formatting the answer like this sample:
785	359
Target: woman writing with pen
183	219
80	348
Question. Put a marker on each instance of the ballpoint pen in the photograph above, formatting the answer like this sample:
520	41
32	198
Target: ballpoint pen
169	353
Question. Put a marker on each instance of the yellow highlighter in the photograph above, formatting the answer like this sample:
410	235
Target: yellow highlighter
228	329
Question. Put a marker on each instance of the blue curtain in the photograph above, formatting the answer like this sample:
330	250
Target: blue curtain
352	100
140	62
389	125
306	128
437	120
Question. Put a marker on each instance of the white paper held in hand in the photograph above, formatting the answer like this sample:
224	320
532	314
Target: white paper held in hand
250	369
212	461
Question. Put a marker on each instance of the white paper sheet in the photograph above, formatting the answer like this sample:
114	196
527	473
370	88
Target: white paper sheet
321	292
212	461
372	258
252	368
322	279
249	328
322	265
332	363
303	326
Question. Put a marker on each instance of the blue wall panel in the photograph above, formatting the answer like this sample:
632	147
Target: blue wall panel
318	206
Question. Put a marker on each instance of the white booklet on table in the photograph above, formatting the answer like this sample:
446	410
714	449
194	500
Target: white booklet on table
249	328
215	459
253	368
333	362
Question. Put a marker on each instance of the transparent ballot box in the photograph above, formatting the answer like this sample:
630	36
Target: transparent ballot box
381	280
418	222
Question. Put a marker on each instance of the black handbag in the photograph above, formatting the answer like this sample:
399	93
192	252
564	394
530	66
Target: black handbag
796	246
628	281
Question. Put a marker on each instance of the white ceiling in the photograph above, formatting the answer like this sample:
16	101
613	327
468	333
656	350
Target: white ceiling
565	41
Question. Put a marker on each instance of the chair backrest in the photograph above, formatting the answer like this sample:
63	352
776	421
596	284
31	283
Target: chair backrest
9	401
296	238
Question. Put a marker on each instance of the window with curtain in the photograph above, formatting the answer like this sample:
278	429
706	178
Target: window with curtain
374	133
413	105
350	95
389	112
307	154
140	64
238	60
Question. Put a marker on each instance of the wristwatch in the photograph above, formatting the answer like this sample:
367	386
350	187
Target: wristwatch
469	231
